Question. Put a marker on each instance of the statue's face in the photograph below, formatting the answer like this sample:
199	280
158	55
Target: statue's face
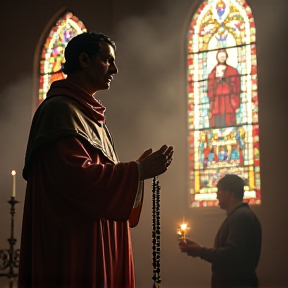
99	69
221	57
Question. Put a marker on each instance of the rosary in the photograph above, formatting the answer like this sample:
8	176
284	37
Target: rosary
156	232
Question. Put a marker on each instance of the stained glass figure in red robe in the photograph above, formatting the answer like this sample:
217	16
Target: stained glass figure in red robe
223	92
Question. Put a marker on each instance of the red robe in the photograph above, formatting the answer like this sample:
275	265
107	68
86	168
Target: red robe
79	198
224	95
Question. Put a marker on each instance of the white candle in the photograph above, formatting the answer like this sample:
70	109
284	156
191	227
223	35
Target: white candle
13	173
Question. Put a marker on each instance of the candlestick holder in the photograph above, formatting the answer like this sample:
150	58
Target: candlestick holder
9	258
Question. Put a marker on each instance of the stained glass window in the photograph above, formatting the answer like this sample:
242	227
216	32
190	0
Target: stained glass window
222	100
52	54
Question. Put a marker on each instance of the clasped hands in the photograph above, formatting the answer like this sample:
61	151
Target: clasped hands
155	163
190	247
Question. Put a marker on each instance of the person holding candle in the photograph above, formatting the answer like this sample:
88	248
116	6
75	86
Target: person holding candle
237	245
80	199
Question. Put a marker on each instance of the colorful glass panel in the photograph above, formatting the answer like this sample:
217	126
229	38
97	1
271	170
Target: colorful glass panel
222	100
52	56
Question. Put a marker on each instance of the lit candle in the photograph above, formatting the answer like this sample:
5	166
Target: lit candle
13	173
182	230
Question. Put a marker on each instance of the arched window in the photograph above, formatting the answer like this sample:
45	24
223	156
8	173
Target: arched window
52	56
222	100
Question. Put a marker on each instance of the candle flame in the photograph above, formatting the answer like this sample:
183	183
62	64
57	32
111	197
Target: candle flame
182	230
13	172
183	226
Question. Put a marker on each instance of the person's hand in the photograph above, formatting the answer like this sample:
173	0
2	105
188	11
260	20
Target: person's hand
190	247
145	154
155	163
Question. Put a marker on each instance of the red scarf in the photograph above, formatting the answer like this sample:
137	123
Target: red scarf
90	105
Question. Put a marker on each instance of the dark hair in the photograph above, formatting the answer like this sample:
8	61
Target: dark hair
86	42
233	184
